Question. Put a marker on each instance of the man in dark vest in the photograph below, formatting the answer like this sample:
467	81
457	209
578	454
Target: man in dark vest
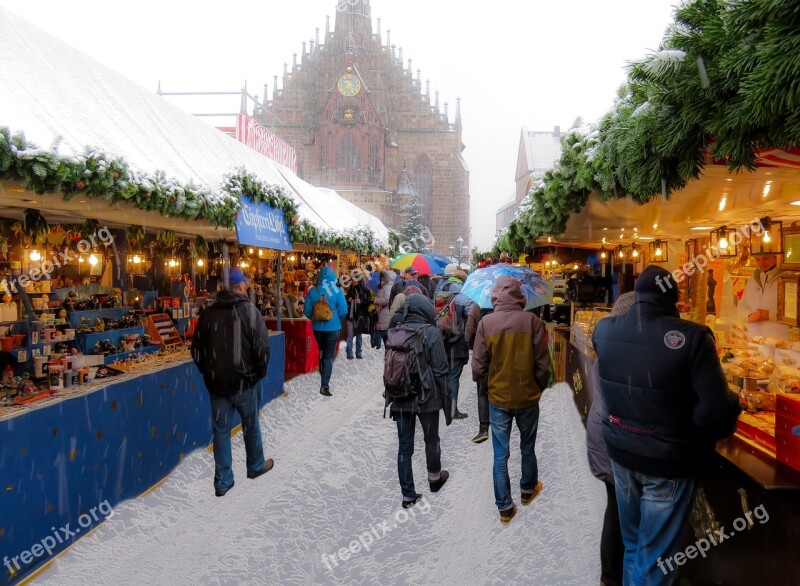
668	404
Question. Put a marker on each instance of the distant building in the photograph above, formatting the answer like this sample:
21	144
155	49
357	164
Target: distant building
538	152
366	124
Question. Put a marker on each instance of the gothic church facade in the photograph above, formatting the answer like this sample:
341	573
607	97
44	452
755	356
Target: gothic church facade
356	114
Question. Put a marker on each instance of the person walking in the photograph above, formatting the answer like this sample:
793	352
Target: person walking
427	284
511	352
448	272
477	313
382	303
612	548
668	404
357	322
400	284
230	347
455	344
326	308
431	396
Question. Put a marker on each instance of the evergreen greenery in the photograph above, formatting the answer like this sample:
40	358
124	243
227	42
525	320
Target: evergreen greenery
413	229
98	175
724	84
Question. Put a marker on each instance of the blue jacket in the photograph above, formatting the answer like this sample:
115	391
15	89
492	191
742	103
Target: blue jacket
327	286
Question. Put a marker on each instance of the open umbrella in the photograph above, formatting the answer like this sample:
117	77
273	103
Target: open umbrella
424	264
441	258
536	289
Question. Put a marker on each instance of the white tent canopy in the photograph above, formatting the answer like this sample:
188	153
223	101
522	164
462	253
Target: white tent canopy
56	94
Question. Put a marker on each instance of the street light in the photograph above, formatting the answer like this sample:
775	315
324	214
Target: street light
460	250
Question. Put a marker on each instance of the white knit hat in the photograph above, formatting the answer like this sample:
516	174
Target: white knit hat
450	269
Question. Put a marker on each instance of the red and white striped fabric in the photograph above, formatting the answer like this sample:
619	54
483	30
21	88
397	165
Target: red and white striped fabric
788	159
262	140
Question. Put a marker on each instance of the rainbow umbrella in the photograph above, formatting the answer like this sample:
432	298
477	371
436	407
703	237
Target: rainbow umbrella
536	289
424	264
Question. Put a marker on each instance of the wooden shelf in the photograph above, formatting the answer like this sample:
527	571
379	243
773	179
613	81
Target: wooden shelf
162	330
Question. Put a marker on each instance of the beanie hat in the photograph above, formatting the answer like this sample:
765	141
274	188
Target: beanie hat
450	269
657	280
623	304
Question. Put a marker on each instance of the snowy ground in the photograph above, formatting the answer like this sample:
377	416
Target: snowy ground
335	480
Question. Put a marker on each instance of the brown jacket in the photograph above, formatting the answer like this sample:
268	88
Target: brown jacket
511	348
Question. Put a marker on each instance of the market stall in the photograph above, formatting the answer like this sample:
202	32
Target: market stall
115	209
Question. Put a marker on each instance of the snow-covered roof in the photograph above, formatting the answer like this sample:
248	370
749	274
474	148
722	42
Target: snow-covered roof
543	149
56	94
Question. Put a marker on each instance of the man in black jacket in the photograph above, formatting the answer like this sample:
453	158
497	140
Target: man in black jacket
230	347
417	312
668	404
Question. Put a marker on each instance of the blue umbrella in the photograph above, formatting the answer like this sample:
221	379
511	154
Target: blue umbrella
373	282
440	258
536	289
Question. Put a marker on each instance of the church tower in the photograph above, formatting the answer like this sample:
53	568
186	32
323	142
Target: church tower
357	113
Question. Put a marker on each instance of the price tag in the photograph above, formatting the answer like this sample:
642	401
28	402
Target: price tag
22	356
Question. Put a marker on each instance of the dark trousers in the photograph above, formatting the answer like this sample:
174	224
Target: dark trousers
612	549
406	425
326	341
483	405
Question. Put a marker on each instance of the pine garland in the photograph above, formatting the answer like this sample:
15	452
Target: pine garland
724	83
97	175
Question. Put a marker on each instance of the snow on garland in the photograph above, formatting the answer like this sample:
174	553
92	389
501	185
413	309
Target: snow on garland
99	175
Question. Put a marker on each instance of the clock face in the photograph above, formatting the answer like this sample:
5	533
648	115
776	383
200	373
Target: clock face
349	85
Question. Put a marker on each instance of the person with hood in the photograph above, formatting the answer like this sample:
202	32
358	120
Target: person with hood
456	346
382	303
448	272
409	288
511	352
326	308
400	284
612	549
427	284
668	404
230	347
432	397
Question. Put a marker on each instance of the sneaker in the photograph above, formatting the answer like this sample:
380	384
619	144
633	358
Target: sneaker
409	504
349	357
436	485
360	357
219	492
481	437
527	497
267	467
460	416
508	514
325	391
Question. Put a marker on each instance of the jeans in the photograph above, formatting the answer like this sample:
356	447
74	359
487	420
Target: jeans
612	549
406	424
453	377
326	341
527	423
653	514
222	408
350	336
483	405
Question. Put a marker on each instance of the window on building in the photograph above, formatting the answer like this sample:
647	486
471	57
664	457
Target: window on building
374	171
348	161
422	180
323	154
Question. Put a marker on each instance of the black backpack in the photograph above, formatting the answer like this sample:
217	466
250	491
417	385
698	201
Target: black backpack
405	346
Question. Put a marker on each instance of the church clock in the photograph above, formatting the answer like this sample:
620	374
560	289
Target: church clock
349	85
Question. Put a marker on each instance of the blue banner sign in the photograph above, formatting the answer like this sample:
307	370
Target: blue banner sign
261	225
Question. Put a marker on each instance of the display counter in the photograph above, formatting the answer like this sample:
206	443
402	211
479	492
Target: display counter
107	441
302	352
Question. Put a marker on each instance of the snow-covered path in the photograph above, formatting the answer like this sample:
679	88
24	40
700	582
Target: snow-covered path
335	480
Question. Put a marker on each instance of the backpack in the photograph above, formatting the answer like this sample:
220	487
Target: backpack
322	309
401	364
447	319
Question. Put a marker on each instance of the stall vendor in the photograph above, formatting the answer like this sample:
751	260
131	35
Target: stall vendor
759	303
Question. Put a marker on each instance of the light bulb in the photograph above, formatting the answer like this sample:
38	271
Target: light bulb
35	255
723	243
603	255
575	267
767	237
260	253
659	252
93	260
622	254
137	260
547	264
635	253
250	251
293	258
173	263
201	262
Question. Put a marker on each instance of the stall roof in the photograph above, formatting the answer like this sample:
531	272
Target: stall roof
717	198
57	95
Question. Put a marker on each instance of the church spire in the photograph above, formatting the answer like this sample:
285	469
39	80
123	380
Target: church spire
404	186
